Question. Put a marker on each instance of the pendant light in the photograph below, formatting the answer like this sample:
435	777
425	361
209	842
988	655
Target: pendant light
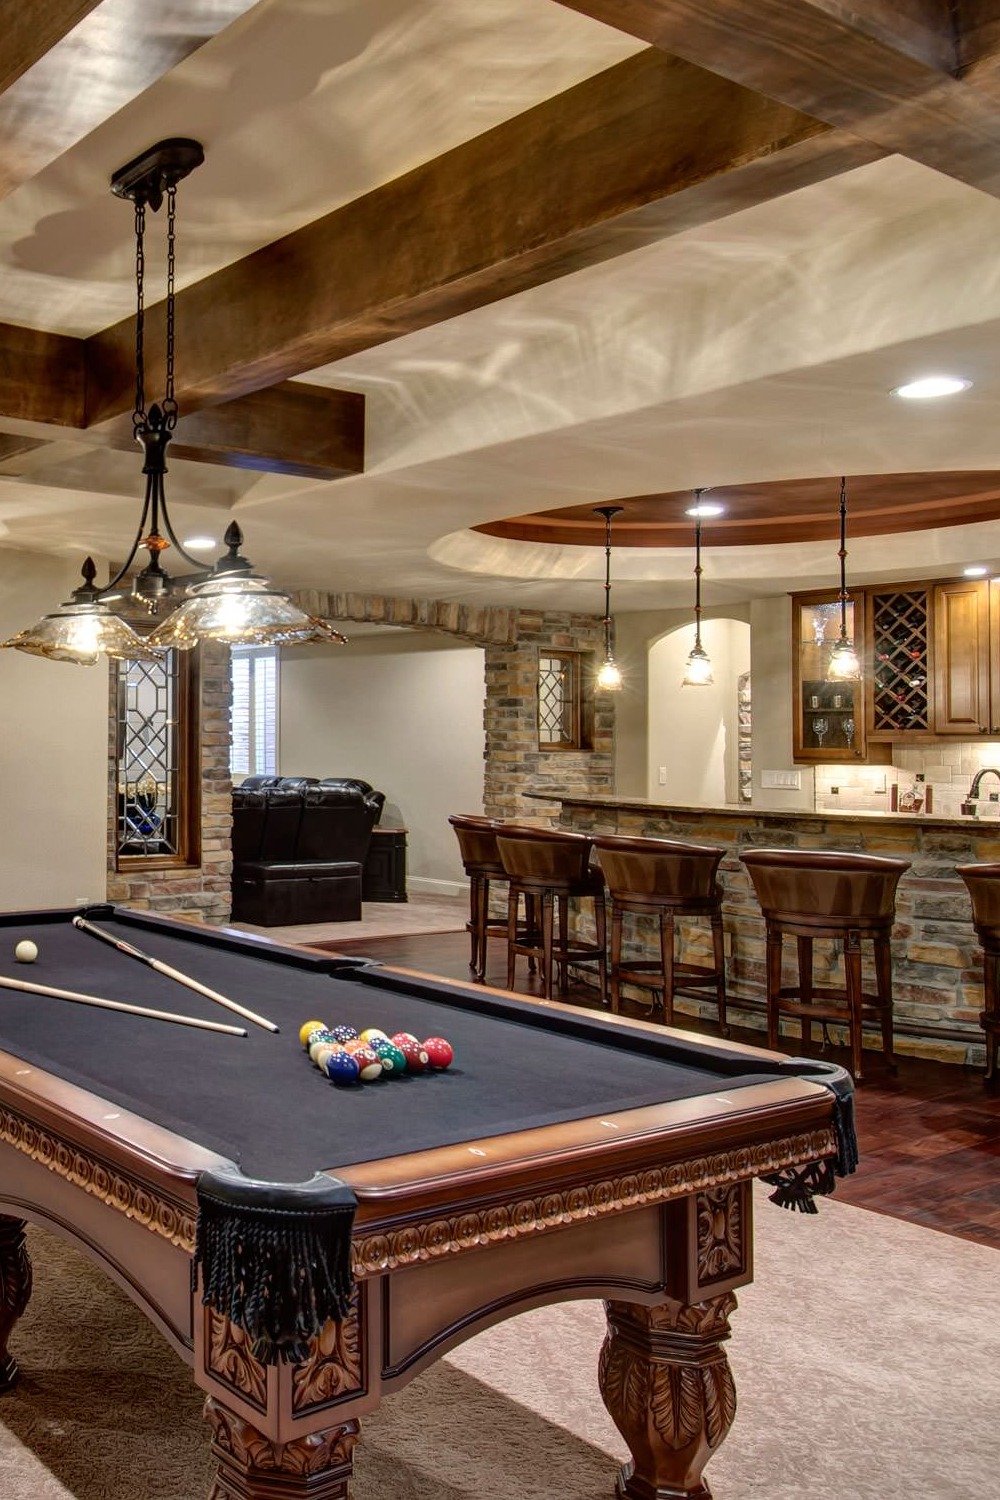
230	603
844	664
698	667
609	677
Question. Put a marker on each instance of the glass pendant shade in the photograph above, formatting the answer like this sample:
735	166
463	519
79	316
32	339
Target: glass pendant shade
609	677
698	668
844	664
82	630
241	611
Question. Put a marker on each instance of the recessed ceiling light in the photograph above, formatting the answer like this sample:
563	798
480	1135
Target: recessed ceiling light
706	508
930	386
975	571
200	543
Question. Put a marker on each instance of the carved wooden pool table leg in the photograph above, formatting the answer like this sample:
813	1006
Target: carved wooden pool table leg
15	1290
253	1467
665	1379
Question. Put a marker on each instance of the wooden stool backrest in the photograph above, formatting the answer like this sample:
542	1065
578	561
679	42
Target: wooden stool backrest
477	843
544	854
800	882
658	867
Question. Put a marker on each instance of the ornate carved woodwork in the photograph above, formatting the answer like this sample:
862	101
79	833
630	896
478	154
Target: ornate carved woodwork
253	1467
666	1382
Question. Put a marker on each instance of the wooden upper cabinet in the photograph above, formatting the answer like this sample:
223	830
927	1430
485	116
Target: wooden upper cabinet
966	659
828	716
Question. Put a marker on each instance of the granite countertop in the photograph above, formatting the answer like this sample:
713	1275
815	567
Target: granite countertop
746	810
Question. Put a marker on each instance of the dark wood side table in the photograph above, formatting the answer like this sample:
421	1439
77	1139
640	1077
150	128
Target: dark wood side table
384	875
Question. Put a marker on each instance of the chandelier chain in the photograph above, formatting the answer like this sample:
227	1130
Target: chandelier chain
139	413
169	403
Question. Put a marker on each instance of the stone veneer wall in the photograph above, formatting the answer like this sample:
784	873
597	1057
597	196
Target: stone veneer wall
514	765
937	960
198	892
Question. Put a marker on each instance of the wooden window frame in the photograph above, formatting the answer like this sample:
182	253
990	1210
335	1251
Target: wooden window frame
188	853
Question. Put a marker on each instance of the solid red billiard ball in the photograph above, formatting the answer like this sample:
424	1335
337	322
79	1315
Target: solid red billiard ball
440	1053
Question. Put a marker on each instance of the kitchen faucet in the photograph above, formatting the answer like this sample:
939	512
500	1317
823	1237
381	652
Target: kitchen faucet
969	805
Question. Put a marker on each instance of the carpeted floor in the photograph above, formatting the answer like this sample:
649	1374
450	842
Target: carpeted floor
420	914
866	1356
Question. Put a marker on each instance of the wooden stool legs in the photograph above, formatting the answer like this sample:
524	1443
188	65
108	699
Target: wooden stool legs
669	976
808	1004
539	933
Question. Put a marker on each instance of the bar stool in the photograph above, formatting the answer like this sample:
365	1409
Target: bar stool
548	866
811	895
670	881
477	844
983	882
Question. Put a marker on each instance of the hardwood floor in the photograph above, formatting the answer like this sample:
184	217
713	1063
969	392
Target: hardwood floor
930	1137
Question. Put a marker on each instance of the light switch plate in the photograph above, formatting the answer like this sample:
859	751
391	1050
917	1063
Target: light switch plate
788	781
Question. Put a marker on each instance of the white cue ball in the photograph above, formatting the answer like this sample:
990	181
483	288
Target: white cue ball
26	951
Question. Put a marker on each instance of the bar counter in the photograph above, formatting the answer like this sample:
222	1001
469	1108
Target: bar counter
937	961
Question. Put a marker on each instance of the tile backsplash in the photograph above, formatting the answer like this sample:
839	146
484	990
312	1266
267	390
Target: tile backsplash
946	771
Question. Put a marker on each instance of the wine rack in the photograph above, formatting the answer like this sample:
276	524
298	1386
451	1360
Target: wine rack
901	695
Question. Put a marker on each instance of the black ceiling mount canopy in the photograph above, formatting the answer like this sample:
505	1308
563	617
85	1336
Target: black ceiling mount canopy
147	178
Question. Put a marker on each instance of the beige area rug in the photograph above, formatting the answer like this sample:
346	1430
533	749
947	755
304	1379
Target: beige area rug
866	1356
419	915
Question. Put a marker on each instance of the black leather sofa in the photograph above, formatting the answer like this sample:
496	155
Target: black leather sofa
299	844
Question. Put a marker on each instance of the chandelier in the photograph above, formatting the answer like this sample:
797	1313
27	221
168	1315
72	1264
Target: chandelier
609	677
844	664
698	667
229	603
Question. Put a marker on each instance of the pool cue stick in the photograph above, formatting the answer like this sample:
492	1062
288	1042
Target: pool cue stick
176	974
132	1010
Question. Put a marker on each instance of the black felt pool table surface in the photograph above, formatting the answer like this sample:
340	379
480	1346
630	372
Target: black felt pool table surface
259	1101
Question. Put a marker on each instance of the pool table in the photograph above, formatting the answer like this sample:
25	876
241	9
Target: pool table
565	1154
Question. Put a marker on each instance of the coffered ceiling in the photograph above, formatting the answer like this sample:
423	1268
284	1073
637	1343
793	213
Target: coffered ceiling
453	274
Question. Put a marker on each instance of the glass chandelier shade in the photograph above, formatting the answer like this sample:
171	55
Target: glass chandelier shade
698	667
609	677
844	665
238	607
82	630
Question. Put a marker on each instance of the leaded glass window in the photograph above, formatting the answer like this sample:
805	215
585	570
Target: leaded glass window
152	771
563	709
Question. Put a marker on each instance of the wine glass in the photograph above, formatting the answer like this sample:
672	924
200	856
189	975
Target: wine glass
819	729
849	732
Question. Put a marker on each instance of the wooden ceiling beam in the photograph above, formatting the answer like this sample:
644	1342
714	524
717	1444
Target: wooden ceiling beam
640	152
291	428
890	71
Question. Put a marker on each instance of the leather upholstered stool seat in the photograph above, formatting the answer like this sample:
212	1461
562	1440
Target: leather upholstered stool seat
667	880
548	867
812	894
983	882
477	843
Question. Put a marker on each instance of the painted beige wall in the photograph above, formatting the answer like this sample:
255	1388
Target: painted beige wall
403	710
771	670
693	730
53	752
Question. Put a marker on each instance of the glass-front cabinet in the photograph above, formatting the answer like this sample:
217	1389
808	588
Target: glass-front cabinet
829	715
